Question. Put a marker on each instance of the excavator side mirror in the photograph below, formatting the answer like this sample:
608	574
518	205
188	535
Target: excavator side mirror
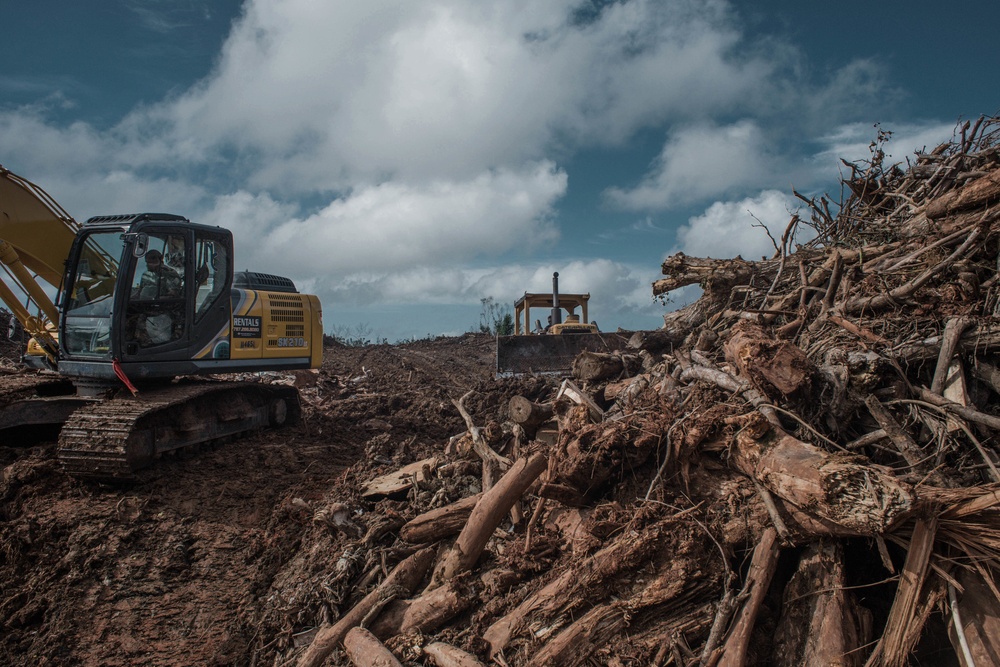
141	244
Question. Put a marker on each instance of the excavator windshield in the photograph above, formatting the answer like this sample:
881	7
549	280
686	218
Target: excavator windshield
90	300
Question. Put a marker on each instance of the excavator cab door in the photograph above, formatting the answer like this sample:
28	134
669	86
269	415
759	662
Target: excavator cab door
155	315
177	295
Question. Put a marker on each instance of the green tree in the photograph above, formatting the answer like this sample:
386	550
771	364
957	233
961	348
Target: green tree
495	318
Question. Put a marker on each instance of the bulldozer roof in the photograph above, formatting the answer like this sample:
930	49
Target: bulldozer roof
567	301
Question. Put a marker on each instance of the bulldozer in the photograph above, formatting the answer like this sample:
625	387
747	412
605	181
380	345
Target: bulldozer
551	349
128	316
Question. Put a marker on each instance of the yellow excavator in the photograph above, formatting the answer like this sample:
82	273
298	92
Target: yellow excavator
124	312
551	349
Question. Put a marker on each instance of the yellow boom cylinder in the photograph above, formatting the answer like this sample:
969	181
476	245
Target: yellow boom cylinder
25	280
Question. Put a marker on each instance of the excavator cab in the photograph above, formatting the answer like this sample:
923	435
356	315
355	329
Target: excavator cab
155	296
150	291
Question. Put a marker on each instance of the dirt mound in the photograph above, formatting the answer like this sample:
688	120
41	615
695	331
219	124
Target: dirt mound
176	568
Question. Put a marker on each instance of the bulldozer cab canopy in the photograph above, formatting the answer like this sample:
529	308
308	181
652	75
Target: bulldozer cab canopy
567	302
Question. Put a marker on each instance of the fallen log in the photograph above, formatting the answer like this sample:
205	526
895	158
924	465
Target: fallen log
527	414
902	629
657	341
974	624
406	576
365	650
762	567
423	614
439	523
976	193
953	331
446	655
486	516
614	389
592	580
979	340
845	489
818	625
548	600
761	357
596	366
574	645
594	455
714	275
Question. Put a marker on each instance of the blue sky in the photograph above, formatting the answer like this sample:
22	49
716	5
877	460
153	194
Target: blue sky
406	159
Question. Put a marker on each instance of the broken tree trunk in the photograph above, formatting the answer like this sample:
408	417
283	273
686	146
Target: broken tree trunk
714	275
657	341
400	481
570	391
762	567
446	655
818	625
439	523
843	488
424	614
766	361
365	650
902	629
976	193
975	628
588	581
527	414
596	366
574	645
406	576
486	516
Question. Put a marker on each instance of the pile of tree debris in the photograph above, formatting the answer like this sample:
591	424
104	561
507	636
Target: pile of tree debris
799	468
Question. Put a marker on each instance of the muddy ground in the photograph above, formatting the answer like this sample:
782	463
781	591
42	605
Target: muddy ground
192	564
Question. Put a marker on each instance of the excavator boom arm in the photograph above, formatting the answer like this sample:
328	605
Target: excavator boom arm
36	235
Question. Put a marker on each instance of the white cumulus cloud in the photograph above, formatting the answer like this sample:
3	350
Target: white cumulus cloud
396	227
701	161
728	229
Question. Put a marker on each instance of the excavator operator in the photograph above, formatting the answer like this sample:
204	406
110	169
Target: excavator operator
158	280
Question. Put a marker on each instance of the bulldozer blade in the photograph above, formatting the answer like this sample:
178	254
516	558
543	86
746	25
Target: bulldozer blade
550	354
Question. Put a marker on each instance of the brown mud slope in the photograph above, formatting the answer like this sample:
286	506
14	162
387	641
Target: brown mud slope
173	570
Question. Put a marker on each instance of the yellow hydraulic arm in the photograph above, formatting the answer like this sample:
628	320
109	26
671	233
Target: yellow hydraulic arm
36	235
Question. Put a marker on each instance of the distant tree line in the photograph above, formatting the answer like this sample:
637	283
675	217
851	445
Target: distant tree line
495	318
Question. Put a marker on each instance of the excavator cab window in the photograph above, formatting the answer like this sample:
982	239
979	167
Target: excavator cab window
87	321
212	269
156	307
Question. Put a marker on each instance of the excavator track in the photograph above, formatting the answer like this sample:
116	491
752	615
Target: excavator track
34	406
114	438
